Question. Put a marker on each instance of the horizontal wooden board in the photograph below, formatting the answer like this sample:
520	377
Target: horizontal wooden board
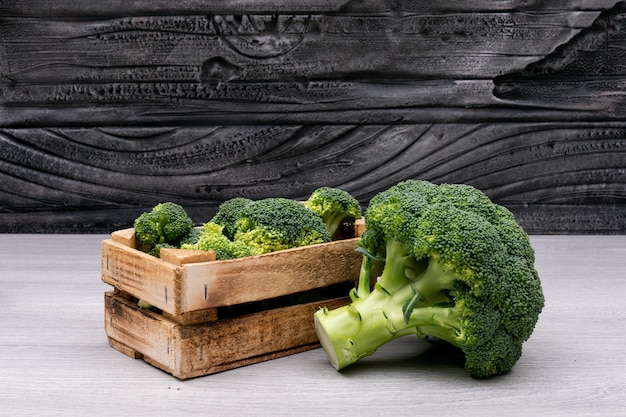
107	109
164	7
94	180
203	285
203	349
411	65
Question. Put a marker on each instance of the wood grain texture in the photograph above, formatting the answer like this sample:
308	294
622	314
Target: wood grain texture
210	347
108	108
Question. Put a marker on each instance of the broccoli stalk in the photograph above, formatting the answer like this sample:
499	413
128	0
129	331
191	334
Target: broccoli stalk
457	268
377	317
352	332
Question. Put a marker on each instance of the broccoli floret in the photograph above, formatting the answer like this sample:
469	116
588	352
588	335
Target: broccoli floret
279	223
166	223
191	238
335	206
212	239
456	267
244	227
228	213
156	249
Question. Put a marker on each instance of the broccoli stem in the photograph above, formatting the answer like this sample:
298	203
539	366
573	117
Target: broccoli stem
440	322
352	332
333	223
377	317
426	275
162	222
433	280
394	276
365	279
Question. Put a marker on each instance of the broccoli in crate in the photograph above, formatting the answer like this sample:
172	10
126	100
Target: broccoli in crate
211	238
228	214
455	267
278	223
336	207
244	227
165	226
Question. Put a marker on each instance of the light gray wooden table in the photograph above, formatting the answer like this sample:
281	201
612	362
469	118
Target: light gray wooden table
55	359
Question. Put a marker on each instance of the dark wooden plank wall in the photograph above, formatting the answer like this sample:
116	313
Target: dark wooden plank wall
109	107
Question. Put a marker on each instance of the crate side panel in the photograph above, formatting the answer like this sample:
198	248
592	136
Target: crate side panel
232	343
147	333
142	275
222	283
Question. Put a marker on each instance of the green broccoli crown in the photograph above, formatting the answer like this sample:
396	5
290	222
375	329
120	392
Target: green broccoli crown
334	206
211	238
191	237
228	213
156	249
457	267
165	223
278	223
393	215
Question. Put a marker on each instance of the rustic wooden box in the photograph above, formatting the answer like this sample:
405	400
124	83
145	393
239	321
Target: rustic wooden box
218	315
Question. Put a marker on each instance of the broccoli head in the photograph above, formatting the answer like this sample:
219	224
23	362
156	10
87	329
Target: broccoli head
334	206
166	223
212	238
456	267
156	249
191	237
228	213
277	223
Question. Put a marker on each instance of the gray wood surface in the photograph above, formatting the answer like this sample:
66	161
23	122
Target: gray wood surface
109	107
55	359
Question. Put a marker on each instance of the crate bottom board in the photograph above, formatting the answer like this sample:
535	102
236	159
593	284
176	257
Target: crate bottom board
203	349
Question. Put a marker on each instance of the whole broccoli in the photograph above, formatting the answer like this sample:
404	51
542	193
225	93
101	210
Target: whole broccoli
166	223
228	213
456	267
212	238
335	206
277	223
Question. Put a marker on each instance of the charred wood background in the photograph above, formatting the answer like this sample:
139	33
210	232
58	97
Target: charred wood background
109	107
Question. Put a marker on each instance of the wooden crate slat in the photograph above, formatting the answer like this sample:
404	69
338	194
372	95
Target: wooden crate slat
229	282
203	349
186	256
125	237
190	318
181	287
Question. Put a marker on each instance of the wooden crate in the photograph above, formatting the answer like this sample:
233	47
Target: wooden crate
213	315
